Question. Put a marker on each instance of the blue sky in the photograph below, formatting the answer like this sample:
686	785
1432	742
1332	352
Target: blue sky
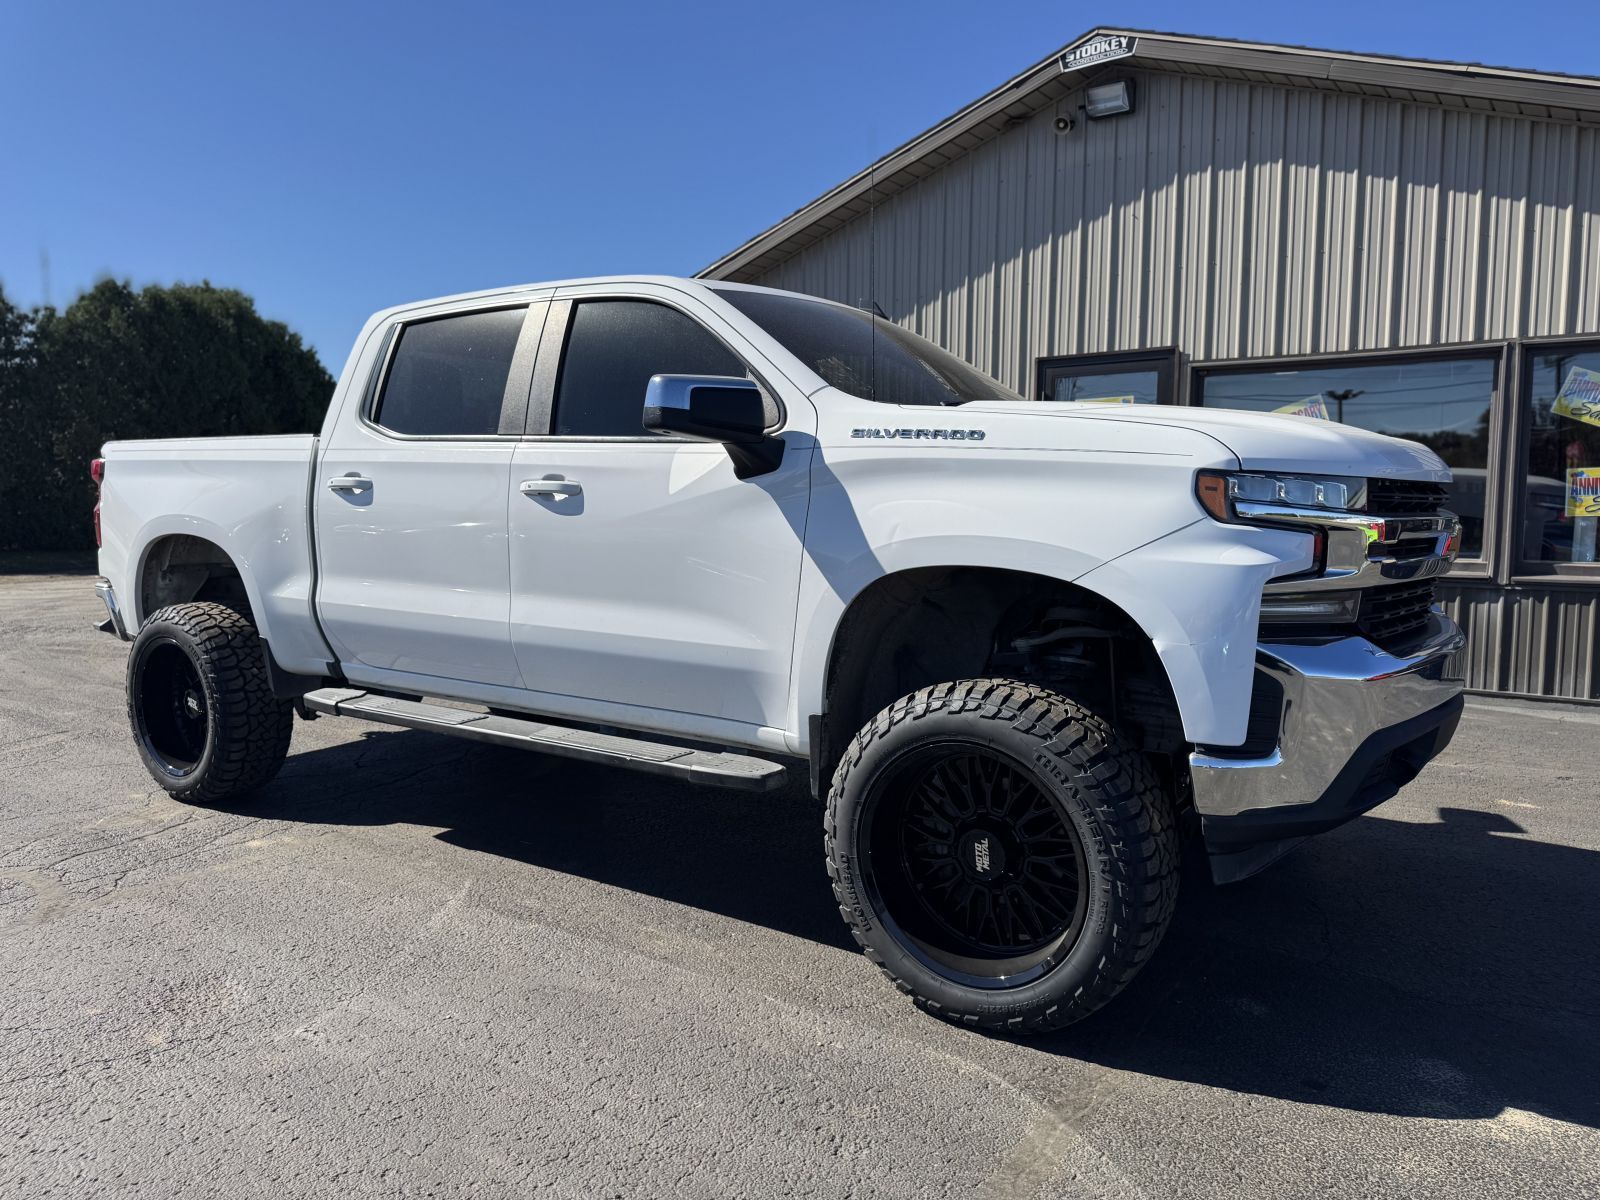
331	159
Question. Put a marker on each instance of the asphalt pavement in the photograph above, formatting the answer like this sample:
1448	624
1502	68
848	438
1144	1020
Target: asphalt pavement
414	966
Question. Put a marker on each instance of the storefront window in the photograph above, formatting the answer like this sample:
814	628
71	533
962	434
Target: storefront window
1561	492
1442	403
1108	378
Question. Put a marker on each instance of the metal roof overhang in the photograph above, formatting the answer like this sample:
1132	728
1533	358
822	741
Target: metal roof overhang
1495	90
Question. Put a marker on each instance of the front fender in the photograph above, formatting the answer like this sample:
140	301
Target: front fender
1196	593
1072	515
1120	524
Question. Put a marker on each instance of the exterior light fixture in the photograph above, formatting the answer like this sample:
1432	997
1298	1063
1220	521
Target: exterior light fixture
1108	99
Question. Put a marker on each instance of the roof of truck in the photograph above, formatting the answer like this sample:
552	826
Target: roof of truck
522	289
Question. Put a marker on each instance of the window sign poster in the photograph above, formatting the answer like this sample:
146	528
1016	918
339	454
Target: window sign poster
1583	491
1315	408
1579	397
1583	506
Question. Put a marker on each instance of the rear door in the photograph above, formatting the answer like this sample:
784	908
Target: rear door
411	500
655	578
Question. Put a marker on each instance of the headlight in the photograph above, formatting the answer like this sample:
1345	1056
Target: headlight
1220	493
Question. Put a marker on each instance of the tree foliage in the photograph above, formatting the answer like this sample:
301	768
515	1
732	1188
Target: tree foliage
183	361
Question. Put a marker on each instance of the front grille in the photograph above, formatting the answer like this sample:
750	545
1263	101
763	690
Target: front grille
1408	548
1396	497
1393	616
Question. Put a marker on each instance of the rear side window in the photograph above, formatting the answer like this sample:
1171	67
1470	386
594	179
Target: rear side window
613	347
448	375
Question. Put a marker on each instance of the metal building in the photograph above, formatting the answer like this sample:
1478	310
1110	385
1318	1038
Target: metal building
1409	246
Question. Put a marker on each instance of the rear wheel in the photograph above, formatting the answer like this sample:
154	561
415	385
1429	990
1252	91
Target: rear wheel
201	705
1001	854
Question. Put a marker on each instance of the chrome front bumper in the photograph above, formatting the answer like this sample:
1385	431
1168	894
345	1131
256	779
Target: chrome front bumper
1354	724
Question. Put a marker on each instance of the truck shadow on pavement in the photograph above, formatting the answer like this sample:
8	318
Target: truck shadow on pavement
1446	969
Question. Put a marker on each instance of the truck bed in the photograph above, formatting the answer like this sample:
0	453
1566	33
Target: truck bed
248	495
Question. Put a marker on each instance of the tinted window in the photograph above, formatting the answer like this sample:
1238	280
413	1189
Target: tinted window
1118	387
1099	381
868	357
449	374
1444	404
613	347
1561	496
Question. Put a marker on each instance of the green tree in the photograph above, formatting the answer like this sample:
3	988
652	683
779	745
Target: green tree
184	361
19	426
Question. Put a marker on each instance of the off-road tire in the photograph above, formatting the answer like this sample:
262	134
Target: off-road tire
1100	784
246	728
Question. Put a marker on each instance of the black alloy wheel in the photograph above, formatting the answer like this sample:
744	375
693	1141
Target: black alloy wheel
982	868
171	716
205	719
1001	853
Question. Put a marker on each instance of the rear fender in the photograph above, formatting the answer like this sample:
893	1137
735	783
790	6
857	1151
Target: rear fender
255	514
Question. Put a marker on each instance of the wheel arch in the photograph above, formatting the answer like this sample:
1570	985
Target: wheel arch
180	567
928	624
190	562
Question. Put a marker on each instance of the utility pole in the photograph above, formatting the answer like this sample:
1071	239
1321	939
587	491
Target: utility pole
1339	398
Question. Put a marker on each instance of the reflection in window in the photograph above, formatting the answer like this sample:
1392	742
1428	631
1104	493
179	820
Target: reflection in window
1444	404
613	348
1561	497
1123	387
864	355
1143	378
449	375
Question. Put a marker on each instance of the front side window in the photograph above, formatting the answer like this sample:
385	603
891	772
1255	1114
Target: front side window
1442	403
613	347
1561	490
448	375
870	357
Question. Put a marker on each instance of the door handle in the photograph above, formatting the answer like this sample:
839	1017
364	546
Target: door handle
556	489
350	483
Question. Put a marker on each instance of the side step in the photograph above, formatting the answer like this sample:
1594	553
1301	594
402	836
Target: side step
698	766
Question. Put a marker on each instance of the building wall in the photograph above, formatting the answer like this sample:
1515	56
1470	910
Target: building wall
1233	220
1237	220
1528	640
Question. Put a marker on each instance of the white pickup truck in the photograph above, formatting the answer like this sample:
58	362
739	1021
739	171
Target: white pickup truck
710	531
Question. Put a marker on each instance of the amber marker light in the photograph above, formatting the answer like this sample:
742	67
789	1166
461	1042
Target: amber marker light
1211	489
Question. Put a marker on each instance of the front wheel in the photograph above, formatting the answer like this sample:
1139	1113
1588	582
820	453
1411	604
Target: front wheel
1001	854
201	705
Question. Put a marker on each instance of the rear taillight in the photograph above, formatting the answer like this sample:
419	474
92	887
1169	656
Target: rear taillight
97	472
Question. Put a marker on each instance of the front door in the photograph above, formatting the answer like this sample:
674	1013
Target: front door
410	499
643	571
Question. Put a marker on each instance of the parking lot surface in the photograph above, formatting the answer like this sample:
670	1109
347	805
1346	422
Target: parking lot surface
421	967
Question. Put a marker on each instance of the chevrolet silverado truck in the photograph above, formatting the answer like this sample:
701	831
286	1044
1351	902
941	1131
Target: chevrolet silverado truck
716	532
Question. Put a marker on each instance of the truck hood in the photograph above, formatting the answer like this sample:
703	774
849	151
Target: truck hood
1263	441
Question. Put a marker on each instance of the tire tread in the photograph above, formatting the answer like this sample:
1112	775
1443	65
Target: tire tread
1142	841
252	727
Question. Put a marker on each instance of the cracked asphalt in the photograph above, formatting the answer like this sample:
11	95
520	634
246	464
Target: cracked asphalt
418	967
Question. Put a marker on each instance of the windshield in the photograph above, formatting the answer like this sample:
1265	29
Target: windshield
873	359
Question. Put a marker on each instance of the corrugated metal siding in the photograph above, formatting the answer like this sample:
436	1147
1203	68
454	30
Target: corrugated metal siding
1237	219
1233	220
1537	641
